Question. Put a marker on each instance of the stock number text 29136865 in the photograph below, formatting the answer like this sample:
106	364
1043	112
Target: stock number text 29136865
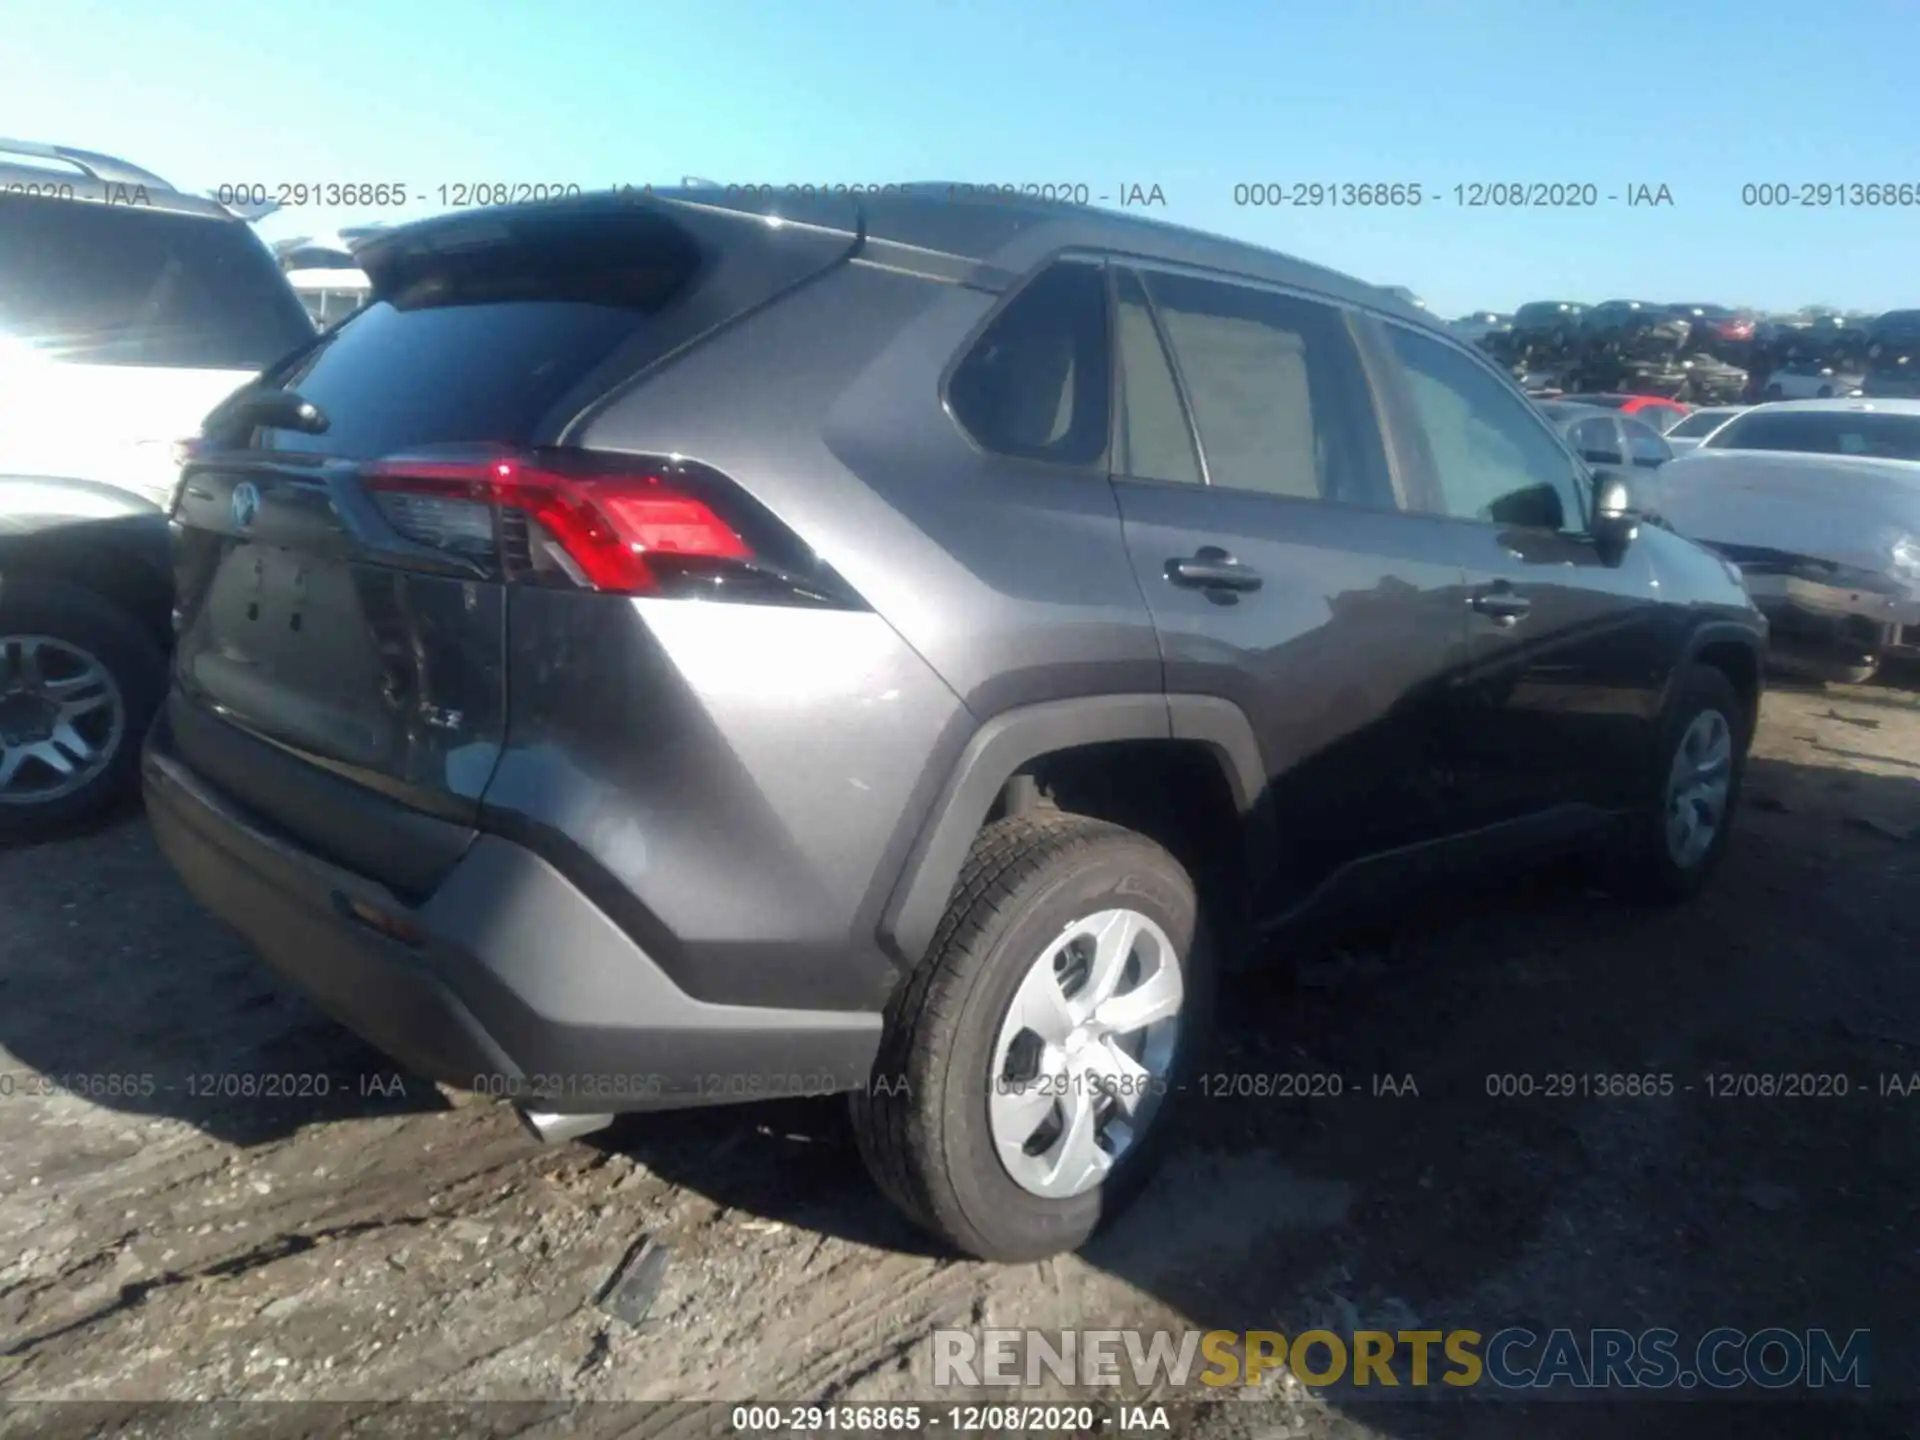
1327	194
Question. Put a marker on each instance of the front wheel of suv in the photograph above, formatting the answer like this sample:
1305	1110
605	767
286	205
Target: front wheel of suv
79	680
1028	1063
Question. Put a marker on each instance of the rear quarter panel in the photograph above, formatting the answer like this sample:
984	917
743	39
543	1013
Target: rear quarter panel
749	780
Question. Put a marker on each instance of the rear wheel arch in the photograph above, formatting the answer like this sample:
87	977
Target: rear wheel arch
123	567
1109	756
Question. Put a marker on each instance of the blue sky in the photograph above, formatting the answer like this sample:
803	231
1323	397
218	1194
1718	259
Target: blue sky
1196	97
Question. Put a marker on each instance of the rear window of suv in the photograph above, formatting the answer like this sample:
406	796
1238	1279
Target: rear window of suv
129	285
477	333
1822	432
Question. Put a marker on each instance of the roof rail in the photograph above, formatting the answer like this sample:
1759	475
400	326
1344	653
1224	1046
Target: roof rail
94	165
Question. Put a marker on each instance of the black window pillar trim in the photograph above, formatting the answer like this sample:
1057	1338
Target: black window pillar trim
1182	389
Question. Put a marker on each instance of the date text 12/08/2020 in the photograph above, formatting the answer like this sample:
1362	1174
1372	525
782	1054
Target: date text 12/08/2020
108	1086
1124	195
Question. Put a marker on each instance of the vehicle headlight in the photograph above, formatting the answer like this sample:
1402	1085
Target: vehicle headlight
1906	558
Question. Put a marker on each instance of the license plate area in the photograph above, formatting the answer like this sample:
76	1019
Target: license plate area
284	644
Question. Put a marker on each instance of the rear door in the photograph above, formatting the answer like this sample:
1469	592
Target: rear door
1567	646
1261	518
342	589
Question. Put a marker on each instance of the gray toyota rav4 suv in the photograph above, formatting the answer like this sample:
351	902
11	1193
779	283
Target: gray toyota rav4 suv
705	645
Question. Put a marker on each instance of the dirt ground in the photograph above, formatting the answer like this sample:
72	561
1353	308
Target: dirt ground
390	1241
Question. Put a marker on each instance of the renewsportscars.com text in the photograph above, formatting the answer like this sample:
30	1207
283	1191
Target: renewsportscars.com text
1514	1358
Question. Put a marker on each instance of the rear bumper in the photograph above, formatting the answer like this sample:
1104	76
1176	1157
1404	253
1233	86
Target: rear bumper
509	980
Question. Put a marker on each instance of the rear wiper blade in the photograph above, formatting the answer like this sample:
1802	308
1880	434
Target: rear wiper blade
267	407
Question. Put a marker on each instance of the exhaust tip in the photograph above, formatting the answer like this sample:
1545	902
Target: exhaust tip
551	1129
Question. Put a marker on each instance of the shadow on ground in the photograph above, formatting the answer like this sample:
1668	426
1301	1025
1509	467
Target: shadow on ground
169	1014
1476	1170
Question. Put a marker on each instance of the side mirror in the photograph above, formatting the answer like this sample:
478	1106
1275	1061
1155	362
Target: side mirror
1616	520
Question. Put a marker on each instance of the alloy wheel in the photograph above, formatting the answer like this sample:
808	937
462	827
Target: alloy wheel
1698	785
62	718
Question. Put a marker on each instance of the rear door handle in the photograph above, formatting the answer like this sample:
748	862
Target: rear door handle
1211	568
1502	602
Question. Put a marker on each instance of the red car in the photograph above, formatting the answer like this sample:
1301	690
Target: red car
1715	322
1662	414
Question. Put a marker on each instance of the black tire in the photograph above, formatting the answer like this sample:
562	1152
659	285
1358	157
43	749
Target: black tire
1644	867
88	622
1772	392
922	1125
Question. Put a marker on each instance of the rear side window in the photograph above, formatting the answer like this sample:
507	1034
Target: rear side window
1035	384
1156	438
476	338
130	285
1278	397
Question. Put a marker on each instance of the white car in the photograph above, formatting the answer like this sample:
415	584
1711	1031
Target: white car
1697	425
123	319
1810	380
128	310
1818	503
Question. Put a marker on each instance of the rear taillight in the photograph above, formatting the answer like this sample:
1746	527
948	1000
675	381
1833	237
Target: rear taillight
622	524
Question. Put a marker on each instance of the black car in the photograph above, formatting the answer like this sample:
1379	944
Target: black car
1490	330
1544	331
1711	380
1632	346
1823	342
1720	331
1636	328
1893	356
